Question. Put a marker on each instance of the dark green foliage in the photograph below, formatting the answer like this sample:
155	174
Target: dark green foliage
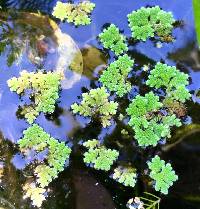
196	6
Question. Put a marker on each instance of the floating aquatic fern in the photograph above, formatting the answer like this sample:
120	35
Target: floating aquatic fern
36	139
140	106
74	13
163	174
147	120
149	22
60	10
172	80
98	156
113	40
36	194
115	76
44	89
96	103
125	175
149	117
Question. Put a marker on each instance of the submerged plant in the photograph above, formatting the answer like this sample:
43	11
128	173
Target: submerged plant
115	76
149	22
98	156
74	13
163	174
135	203
148	201
43	88
125	175
35	139
113	40
147	120
96	103
172	80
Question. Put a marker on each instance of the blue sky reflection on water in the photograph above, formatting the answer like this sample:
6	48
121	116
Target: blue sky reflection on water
65	125
105	12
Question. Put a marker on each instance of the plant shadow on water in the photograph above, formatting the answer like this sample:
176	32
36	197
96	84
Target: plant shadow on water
34	45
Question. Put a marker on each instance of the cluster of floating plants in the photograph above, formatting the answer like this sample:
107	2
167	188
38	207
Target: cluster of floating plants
150	116
98	156
43	89
148	121
162	174
115	76
35	141
150	22
125	175
113	40
74	13
96	103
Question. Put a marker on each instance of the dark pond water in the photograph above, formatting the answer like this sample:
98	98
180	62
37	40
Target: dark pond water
79	187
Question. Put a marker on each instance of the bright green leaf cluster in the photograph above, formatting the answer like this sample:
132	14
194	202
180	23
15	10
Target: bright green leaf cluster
148	22
98	156
44	89
96	103
36	139
142	105
163	174
171	79
115	76
125	175
149	124
74	13
112	39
